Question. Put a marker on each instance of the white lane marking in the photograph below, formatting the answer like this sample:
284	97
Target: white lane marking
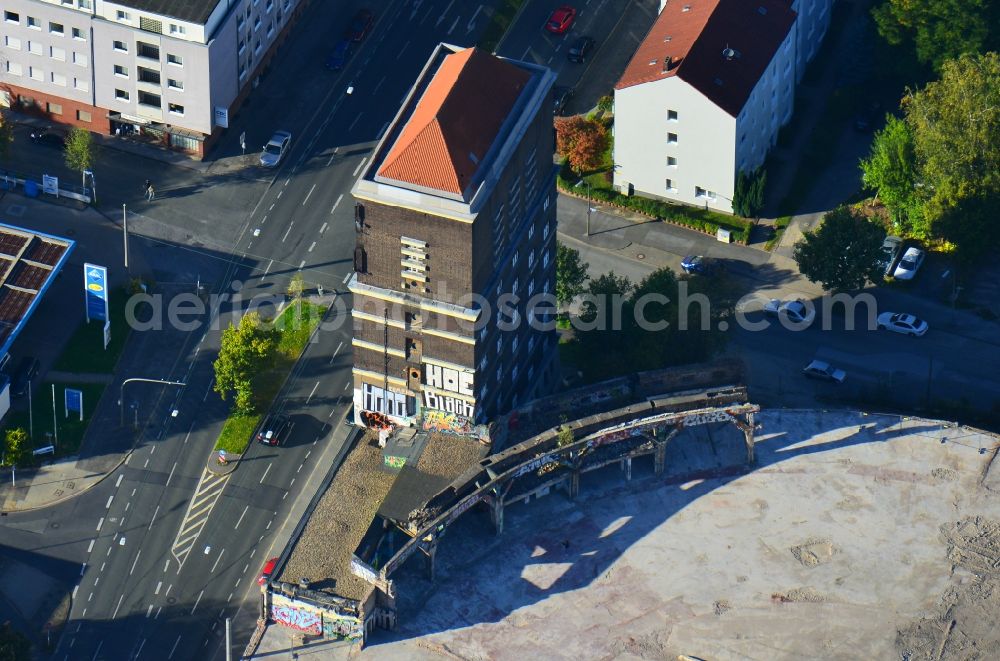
100	523
103	565
472	21
313	392
322	229
441	17
268	269
335	150
166	565
120	599
347	277
98	650
134	562
96	581
90	597
453	25
290	223
107	505
153	520
347	385
381	131
83	568
196	601
356	119
90	547
330	415
313	245
334	207
241	518
308	453
230	598
149	611
401	50
139	651
308	194
278	196
216	563
301	264
335	352
169	587
379	84
265	473
75	589
146	464
158	609
287	180
270	208
174	648
299	469
118	482
159	584
360	165
170	477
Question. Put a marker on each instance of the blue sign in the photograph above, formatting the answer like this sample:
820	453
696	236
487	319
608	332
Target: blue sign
95	283
73	400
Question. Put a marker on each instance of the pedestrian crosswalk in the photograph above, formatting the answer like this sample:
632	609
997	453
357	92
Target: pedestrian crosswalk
202	503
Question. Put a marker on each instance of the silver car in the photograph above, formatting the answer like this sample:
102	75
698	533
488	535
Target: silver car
908	265
275	149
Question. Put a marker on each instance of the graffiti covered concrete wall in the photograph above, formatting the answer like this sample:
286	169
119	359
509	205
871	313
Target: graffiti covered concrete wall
313	619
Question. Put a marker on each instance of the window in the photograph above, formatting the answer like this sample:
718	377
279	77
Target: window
147	99
56	28
183	142
174	59
702	193
177	29
81	84
12	42
79	58
12	17
78	34
85	4
53	108
83	116
35	73
148	75
256	23
149	51
531	231
670	184
33	23
671	161
121	71
671	138
121	95
122	15
34	47
671	115
57	53
120	46
175	84
14	68
176	108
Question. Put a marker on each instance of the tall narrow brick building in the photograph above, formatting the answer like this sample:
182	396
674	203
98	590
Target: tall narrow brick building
456	225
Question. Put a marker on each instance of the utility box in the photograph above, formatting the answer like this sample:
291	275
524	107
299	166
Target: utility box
725	236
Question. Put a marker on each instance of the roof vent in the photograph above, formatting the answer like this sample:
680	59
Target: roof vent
670	63
762	11
667	38
686	8
730	53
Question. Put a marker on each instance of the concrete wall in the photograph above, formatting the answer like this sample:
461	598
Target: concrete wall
812	23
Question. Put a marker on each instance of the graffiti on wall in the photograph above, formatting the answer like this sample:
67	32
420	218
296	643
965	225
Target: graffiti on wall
342	627
297	618
450	423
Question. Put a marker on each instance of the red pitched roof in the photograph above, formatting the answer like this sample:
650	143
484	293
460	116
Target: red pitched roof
455	121
720	47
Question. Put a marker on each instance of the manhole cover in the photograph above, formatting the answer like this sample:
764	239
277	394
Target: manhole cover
171	600
640	256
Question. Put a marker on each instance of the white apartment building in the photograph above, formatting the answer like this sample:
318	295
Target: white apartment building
170	71
705	95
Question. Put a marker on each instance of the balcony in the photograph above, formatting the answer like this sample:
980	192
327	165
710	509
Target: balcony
147	51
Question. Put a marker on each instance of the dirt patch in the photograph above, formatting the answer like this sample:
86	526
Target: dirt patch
449	455
813	552
798	595
722	606
974	544
945	474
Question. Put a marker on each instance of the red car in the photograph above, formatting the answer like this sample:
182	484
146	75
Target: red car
265	574
360	25
561	20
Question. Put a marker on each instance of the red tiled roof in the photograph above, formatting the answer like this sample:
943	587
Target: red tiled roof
455	122
695	36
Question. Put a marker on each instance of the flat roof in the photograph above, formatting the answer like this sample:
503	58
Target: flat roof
191	11
29	261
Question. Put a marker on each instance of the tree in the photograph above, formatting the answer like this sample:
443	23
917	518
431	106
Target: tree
564	436
6	136
843	253
79	151
890	169
296	286
583	142
966	218
243	354
571	274
942	30
15	444
748	196
14	645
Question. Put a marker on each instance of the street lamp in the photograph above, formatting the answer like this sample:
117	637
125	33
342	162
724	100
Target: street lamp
121	393
589	208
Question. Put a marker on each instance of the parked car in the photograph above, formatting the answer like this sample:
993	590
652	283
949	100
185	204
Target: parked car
560	97
275	149
360	25
795	311
265	573
700	265
891	248
899	322
340	54
26	370
580	49
817	369
909	264
560	20
273	430
48	138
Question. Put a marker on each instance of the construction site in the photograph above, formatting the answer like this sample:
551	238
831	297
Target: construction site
665	523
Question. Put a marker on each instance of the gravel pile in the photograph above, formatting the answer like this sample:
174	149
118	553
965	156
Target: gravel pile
449	456
323	552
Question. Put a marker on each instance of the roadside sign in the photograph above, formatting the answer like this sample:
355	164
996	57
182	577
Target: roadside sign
243	142
50	184
95	284
73	401
107	333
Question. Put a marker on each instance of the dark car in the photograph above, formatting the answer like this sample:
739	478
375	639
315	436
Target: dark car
48	138
580	49
26	370
338	58
360	25
560	97
273	431
699	265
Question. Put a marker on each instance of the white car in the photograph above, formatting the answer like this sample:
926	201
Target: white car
275	149
908	265
795	311
900	322
817	369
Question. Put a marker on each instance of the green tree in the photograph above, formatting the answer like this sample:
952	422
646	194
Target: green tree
843	253
243	354
571	274
582	141
564	436
15	445
6	136
296	286
14	645
748	196
79	151
890	170
941	30
966	218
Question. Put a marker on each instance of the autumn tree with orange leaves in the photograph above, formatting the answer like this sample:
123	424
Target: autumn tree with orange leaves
582	142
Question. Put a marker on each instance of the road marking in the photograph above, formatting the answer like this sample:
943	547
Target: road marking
149	611
360	165
347	385
216	563
206	495
268	269
90	547
98	650
84	613
174	648
196	601
278	197
153	520
118	482
337	350
96	581
381	131
83	568
139	651
120	599
134	562
169	587
299	470
241	518
453	25
127	505
287	180
441	17
158	609
313	392
333	208
146	464
99	524
330	415
166	565
237	583
322	229
75	589
379	84
269	521
308	194
159	584
102	566
169	477
265	473
313	245
107	505
401	50
230	598
472	21
308	453
290	223
358	117
301	264
90	597
270	208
